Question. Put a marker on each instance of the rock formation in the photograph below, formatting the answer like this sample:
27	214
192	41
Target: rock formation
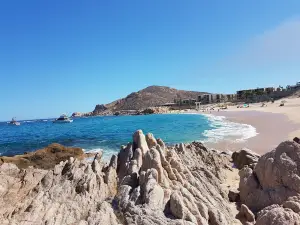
244	157
74	192
77	114
147	183
272	189
181	185
101	110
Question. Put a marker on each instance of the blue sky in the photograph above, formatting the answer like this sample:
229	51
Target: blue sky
65	56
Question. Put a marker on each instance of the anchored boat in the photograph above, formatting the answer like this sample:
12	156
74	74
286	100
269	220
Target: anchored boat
14	122
63	119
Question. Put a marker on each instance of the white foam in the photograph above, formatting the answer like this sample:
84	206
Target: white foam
107	153
95	150
222	129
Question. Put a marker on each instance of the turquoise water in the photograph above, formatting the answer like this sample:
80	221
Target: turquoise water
108	133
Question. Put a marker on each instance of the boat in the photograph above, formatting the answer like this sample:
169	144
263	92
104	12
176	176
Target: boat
63	119
14	122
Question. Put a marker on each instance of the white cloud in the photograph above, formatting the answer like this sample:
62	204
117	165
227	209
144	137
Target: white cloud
275	47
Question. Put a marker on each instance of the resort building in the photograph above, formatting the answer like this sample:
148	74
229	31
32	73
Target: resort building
267	93
293	87
216	98
188	101
184	102
206	98
168	104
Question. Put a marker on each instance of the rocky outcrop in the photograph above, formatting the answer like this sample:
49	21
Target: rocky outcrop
45	158
74	192
77	114
274	178
245	215
244	157
272	189
147	183
286	214
101	109
181	185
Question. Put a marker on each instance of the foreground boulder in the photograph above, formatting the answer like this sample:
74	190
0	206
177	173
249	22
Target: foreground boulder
274	178
45	158
74	192
244	157
272	189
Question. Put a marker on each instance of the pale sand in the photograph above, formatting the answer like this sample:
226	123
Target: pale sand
273	123
291	109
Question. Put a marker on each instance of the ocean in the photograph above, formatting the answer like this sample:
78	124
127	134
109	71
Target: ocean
108	133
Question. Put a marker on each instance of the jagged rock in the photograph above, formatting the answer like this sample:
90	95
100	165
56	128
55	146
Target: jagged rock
233	196
274	178
143	185
245	215
139	141
99	109
72	193
297	140
176	205
181	147
161	143
104	215
244	157
124	158
287	213
275	214
151	142
187	187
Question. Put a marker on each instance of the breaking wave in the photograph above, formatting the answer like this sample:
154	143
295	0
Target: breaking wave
106	153
222	129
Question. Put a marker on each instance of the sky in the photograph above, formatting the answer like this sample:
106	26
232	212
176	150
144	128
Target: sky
67	56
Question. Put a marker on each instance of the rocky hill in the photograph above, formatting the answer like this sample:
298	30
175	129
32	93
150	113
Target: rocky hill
148	97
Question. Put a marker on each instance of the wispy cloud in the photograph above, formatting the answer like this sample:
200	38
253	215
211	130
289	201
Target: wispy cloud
274	47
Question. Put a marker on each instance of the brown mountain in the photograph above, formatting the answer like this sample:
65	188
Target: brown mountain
148	97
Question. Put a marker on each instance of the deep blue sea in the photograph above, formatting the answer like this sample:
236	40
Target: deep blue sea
108	133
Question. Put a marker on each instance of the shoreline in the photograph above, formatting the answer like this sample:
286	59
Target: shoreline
271	128
273	124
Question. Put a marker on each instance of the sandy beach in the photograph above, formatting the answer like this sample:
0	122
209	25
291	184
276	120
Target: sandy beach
273	124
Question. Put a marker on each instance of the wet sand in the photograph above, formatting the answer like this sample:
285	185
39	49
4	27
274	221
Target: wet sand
272	129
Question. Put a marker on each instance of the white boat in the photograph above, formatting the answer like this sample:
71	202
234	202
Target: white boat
14	122
63	119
